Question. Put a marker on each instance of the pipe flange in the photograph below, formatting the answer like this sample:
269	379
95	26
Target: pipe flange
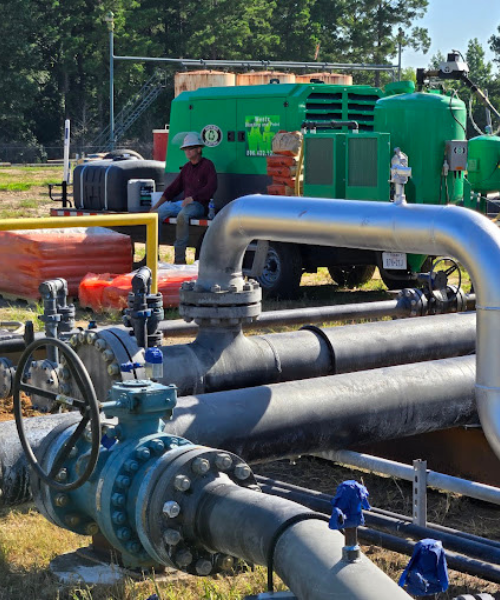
45	376
415	301
221	306
168	525
7	371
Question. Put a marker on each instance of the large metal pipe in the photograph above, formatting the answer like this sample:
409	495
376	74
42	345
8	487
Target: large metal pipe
421	229
224	358
307	554
334	412
14	469
295	418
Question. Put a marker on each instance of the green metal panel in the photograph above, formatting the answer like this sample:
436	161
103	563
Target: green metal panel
320	174
286	104
484	163
368	166
420	124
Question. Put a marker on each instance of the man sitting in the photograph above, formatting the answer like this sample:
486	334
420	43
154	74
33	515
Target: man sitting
198	183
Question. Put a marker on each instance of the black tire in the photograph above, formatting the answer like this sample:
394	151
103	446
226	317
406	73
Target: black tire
282	272
351	277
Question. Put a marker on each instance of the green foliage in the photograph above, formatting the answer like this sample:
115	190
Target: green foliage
55	54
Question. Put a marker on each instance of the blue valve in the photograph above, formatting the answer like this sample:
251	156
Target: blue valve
128	367
427	572
348	504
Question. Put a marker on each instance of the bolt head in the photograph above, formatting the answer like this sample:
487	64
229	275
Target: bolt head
118	500
182	483
133	547
62	475
61	500
171	509
90	337
143	454
124	534
92	529
158	446
73	341
132	466
200	466
80	338
242	472
215	288
203	566
100	344
113	369
72	520
233	288
225	562
183	558
172	537
118	517
223	461
108	355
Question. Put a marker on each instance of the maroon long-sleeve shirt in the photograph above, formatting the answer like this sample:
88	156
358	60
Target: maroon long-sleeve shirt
198	181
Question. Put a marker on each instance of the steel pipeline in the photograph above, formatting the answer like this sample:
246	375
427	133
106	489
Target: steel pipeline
288	419
420	229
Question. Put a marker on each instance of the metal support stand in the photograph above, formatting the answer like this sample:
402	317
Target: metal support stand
420	492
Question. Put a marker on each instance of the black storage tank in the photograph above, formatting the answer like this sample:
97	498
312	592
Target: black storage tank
102	184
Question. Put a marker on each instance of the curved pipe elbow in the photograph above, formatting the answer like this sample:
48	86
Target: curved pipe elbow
420	229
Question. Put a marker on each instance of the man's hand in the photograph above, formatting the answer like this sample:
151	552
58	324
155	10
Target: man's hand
187	201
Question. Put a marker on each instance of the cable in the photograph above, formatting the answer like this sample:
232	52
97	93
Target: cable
278	533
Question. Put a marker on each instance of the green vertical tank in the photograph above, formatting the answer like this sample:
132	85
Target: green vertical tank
420	124
484	163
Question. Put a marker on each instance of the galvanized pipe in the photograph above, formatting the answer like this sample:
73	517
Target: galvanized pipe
440	481
420	229
319	314
299	417
224	358
307	555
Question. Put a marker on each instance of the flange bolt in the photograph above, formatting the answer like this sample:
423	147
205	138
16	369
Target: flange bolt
200	466
172	537
242	472
203	566
182	483
171	509
183	558
223	461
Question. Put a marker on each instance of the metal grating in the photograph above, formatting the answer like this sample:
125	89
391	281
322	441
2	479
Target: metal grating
342	105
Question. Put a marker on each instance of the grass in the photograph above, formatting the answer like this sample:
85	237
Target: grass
28	542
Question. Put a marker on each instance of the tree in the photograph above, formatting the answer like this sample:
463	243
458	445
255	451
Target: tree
494	42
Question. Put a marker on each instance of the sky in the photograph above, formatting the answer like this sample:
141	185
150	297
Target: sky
452	23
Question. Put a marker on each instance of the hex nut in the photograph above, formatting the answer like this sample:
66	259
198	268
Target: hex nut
171	509
182	483
90	337
225	562
61	500
62	475
143	453
200	466
223	461
100	344
183	558
203	566
73	341
158	446
108	355
92	529
72	520
172	537
242	471
113	369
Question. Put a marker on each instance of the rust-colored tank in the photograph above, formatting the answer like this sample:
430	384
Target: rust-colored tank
192	80
264	77
329	78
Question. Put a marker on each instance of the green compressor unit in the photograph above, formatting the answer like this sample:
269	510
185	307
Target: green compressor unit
237	125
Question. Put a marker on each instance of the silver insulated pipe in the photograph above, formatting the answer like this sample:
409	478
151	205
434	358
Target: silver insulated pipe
420	229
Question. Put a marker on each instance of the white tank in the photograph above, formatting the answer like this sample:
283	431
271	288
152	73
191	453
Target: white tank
264	77
329	78
192	80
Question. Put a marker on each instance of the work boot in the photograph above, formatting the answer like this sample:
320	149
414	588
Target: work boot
179	260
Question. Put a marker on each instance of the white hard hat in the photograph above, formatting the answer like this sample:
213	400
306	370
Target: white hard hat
192	139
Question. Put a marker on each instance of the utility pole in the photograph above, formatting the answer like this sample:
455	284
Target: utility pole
109	18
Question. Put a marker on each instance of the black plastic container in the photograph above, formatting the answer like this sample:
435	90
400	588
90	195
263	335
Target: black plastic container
102	184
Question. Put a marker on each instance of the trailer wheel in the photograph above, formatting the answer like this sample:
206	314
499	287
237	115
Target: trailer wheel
352	277
282	271
398	280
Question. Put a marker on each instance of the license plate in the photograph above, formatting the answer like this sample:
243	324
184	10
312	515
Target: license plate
394	260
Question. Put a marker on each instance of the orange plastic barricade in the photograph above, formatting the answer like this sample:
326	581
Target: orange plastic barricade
30	257
110	292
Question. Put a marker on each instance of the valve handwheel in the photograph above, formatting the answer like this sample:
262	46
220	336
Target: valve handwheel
88	407
438	280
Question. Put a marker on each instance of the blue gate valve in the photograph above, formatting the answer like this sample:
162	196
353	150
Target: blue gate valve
347	514
427	572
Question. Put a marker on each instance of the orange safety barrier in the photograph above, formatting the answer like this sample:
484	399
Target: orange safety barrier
30	257
110	292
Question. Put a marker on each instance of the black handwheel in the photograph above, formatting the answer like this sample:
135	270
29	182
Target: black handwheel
89	408
438	280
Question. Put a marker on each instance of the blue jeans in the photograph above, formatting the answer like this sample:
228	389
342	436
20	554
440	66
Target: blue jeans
194	210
